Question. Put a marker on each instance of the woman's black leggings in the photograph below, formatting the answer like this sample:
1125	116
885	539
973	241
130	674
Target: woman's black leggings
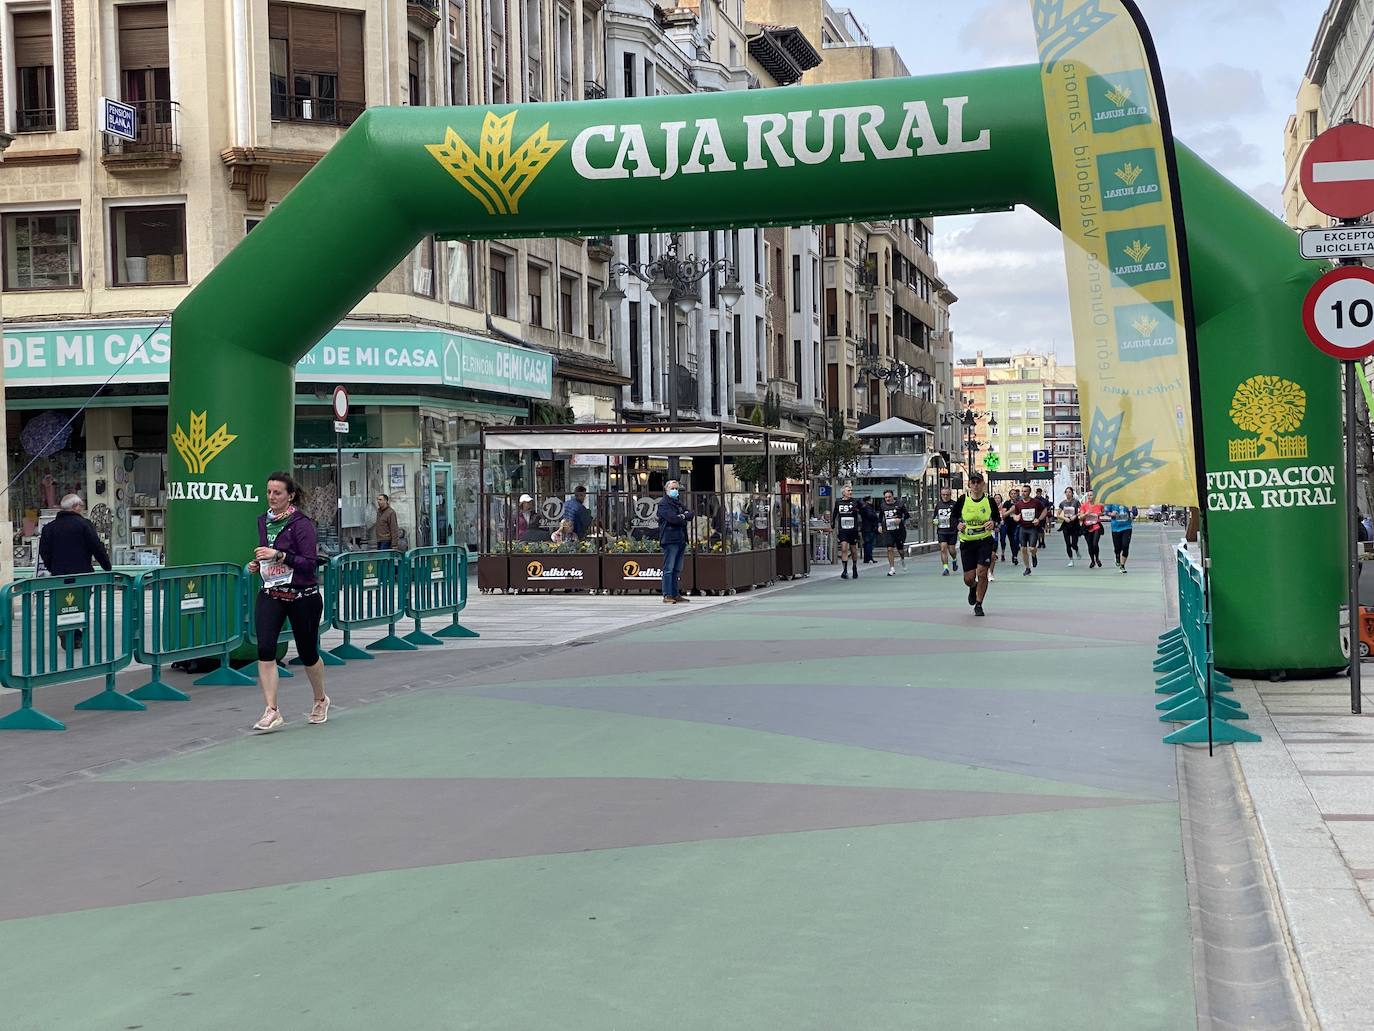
1121	543
304	614
1071	532
1094	539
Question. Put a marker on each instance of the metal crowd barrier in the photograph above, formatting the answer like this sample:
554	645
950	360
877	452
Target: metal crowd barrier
192	612
68	628
63	629
1197	692
436	585
371	591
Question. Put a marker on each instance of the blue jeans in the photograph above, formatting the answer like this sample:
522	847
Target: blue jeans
673	554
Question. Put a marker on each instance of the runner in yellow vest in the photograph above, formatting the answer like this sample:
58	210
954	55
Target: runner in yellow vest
976	518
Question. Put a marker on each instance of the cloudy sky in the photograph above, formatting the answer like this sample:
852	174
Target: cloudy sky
1231	69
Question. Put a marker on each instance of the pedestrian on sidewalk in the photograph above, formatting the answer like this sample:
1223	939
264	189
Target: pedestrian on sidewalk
386	534
672	535
66	547
69	543
868	515
288	545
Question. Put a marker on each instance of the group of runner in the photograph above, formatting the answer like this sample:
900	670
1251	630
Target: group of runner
975	528
980	526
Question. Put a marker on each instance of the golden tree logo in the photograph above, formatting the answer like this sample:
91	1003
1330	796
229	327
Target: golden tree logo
1137	251
1129	173
197	450
1268	406
495	176
1118	95
1145	325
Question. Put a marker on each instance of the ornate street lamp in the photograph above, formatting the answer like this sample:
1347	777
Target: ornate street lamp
969	419
673	280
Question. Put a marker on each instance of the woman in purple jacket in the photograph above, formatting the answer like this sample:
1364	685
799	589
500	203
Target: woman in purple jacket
285	559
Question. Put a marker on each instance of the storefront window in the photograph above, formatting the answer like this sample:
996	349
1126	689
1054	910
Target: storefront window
149	244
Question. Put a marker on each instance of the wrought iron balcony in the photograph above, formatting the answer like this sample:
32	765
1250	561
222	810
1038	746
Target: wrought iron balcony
35	119
325	110
593	90
157	143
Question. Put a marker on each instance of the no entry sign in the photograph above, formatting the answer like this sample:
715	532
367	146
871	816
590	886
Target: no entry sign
1339	313
1338	171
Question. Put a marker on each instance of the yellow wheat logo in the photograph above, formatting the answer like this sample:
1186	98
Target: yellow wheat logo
71	598
190	587
494	175
196	450
1119	95
1145	325
1129	173
1271	407
1137	251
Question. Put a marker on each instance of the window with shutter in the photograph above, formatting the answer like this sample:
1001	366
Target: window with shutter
316	58
33	62
145	76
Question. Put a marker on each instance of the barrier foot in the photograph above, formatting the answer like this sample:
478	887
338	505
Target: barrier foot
1175	681
157	691
1174	701
349	650
456	630
419	637
1221	732
1196	709
392	643
1171	662
28	718
226	676
112	700
1169	636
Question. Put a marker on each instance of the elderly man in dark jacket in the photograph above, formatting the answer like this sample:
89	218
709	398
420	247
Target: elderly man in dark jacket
672	534
69	542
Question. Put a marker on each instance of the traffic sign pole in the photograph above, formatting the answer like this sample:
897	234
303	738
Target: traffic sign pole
340	406
1337	176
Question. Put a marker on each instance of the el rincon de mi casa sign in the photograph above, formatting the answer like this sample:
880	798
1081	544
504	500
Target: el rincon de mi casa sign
141	353
807	155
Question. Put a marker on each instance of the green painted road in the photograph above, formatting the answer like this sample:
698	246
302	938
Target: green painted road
847	805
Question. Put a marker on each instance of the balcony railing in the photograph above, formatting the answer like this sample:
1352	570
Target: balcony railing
156	125
35	119
593	90
326	110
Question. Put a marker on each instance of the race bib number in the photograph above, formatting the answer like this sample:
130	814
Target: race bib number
894	521
275	574
943	522
846	522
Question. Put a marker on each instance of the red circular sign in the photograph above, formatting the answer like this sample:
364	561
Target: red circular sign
1338	313
341	403
1338	171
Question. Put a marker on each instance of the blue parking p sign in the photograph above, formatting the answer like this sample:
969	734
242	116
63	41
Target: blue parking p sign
118	119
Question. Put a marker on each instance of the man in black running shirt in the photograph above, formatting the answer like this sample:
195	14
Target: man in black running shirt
846	519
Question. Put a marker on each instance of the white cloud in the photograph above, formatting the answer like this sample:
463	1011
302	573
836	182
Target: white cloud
1000	32
1219	92
1225	149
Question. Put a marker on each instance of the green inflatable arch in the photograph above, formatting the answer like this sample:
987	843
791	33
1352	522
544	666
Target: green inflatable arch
801	155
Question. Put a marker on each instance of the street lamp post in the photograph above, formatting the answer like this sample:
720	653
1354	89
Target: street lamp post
672	282
969	419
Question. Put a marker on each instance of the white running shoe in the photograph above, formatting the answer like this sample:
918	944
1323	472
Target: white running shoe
1070	563
991	578
271	720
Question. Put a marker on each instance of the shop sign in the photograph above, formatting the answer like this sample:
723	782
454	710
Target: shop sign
72	353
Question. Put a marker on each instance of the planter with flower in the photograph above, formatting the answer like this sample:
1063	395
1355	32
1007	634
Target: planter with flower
635	565
718	567
791	556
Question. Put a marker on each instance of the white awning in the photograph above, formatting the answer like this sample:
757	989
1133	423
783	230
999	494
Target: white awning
893	427
893	467
649	442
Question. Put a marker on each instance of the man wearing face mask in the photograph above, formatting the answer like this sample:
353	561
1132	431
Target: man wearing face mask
672	534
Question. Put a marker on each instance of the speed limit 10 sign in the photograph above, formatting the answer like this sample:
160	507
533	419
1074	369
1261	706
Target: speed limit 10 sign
1339	313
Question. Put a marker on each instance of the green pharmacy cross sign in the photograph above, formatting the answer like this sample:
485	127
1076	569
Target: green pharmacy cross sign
904	147
992	461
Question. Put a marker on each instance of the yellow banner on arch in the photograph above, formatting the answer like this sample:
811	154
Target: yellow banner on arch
1118	214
